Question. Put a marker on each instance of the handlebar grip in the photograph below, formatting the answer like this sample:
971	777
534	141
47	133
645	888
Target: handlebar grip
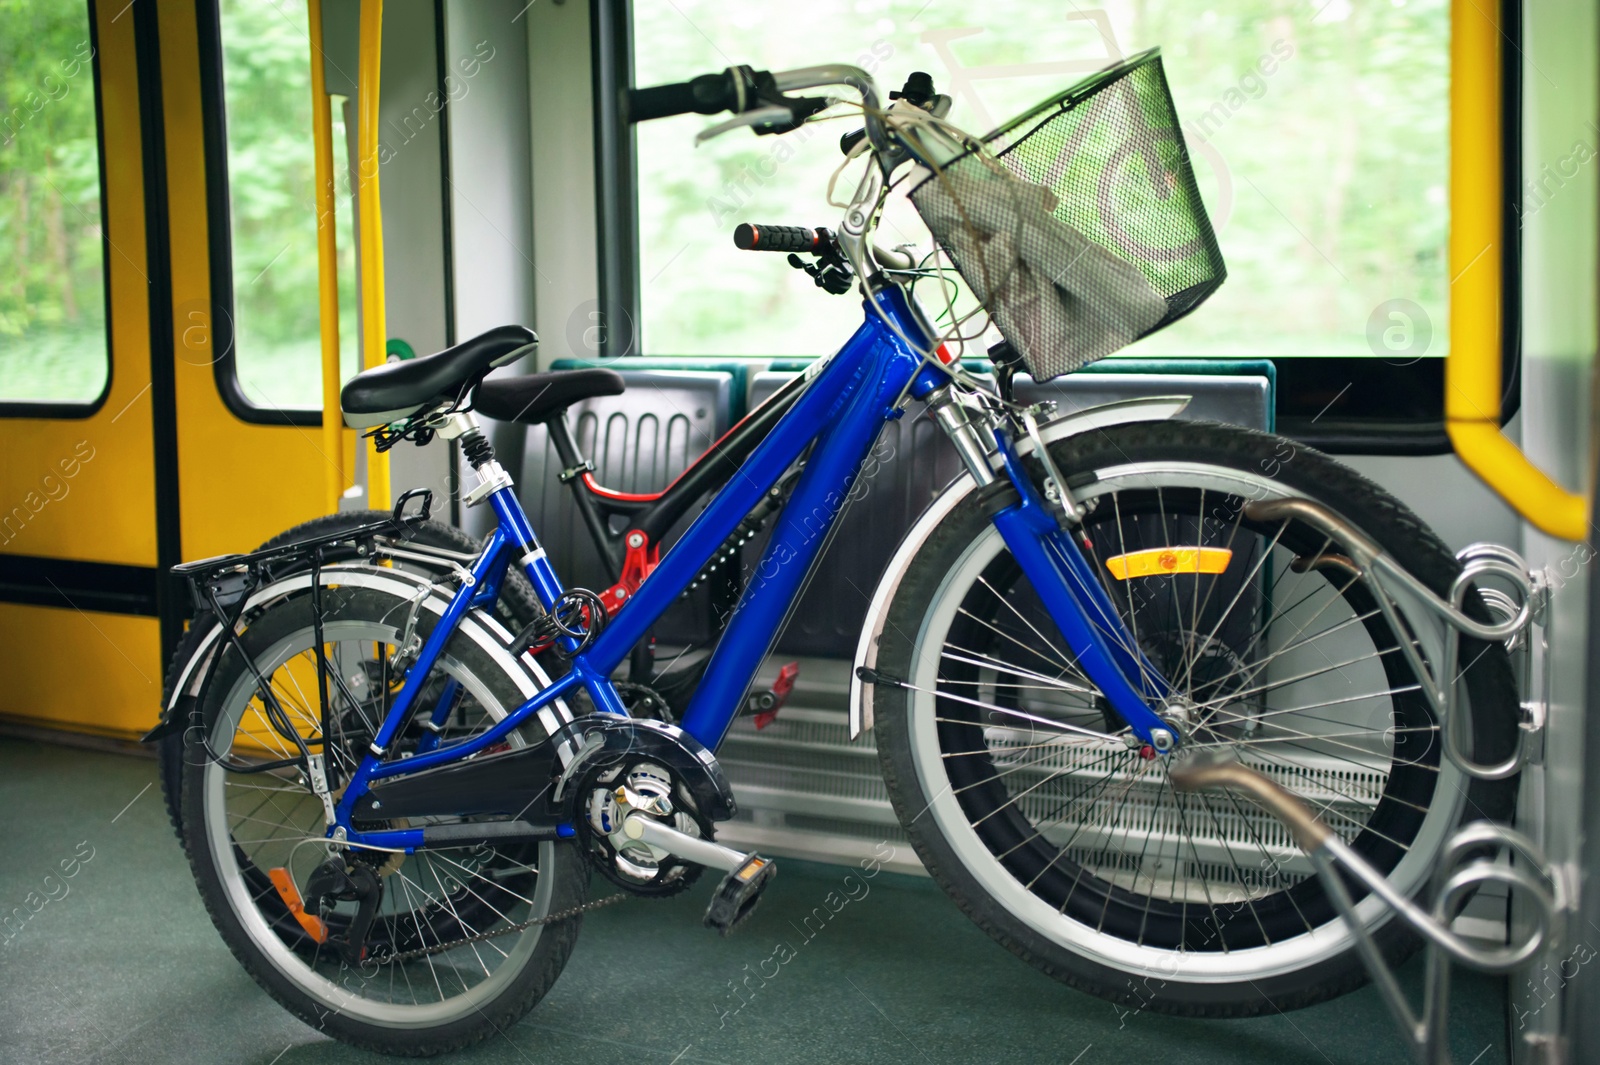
706	95
775	238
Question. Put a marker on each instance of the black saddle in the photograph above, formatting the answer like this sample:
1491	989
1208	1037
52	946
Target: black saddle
537	397
396	390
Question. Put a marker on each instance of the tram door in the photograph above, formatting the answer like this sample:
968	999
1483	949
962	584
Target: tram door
135	431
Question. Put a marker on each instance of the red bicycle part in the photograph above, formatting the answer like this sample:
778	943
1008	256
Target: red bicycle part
639	558
780	693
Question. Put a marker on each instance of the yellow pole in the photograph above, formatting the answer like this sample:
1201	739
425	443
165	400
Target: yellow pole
1472	383
370	206
327	267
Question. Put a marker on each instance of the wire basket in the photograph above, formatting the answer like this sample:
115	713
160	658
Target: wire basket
1079	227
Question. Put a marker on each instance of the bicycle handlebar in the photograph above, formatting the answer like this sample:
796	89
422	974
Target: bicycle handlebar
749	237
743	89
706	95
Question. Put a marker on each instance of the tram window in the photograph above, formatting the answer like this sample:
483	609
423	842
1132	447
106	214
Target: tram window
53	346
1320	133
272	214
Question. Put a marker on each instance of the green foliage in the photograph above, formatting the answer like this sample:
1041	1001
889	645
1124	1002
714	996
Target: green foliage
1320	134
1335	161
266	73
52	302
52	307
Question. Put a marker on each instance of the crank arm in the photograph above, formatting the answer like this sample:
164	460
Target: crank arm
681	844
748	874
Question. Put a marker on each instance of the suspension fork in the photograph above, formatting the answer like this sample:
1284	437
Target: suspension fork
1063	579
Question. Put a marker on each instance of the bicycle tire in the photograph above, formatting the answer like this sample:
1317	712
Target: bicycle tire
226	853
1097	464
516	607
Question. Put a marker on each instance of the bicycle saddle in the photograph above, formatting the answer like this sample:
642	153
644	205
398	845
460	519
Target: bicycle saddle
537	397
396	390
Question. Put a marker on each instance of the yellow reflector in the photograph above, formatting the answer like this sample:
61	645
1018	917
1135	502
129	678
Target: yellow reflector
1157	561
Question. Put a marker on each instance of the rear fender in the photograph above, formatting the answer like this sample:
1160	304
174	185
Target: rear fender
481	626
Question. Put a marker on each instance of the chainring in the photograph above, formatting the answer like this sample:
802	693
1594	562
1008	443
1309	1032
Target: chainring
631	865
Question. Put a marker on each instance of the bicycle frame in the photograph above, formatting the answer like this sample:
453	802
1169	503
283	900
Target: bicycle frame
841	412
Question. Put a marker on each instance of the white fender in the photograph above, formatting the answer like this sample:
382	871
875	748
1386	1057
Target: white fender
1146	409
481	627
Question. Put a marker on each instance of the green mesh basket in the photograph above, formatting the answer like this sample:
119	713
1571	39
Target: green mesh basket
1080	227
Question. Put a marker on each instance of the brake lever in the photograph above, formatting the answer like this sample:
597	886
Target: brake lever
760	116
770	119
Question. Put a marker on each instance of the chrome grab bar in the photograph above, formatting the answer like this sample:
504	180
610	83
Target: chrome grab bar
1459	870
1370	561
1478	560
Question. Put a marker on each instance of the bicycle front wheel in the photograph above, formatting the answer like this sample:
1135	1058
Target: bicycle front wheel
1019	787
447	962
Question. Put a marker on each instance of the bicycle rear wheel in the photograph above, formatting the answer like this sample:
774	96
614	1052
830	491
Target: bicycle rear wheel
446	964
516	607
1020	790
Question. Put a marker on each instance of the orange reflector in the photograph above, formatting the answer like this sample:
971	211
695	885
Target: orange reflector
1159	561
291	898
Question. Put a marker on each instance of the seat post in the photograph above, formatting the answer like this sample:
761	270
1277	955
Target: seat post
573	467
463	426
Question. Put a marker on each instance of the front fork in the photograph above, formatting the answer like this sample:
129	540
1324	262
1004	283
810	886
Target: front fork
1064	580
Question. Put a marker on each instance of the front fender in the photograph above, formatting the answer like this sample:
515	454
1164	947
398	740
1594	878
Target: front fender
1144	409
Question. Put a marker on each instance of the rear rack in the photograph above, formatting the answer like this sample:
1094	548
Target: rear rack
221	586
222	583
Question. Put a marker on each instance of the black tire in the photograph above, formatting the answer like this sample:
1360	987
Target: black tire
1489	684
517	606
333	996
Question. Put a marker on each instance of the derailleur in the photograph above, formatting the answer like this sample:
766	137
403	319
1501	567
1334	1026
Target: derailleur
336	880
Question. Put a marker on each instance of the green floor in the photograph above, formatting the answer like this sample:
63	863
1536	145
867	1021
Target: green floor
125	967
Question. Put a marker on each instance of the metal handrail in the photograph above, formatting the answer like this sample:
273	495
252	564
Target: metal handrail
1472	385
369	208
327	264
1451	882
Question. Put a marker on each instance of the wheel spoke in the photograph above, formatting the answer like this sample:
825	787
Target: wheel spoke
434	900
1069	818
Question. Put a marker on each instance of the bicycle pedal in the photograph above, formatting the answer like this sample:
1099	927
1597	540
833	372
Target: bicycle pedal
765	705
736	897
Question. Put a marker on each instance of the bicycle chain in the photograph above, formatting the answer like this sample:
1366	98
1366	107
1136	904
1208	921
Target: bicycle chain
551	918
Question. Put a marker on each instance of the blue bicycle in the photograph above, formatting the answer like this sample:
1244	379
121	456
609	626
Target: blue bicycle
397	756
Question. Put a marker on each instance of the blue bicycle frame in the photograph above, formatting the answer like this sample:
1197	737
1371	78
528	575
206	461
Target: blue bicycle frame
842	411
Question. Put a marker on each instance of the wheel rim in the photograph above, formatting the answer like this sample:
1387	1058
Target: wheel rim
430	897
1040	765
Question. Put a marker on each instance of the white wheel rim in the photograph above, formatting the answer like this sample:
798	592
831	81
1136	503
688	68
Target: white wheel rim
340	996
1283	956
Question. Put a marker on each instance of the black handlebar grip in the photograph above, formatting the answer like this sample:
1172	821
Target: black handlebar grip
775	238
706	95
